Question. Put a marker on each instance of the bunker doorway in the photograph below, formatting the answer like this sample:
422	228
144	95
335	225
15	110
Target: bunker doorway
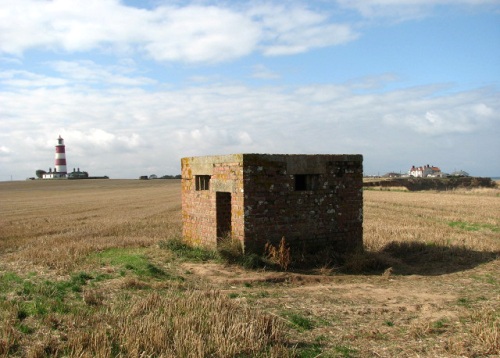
223	210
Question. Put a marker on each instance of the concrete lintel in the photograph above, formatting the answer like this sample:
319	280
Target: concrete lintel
222	185
204	165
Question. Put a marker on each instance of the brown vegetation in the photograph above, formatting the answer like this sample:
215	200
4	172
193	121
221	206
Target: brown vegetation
85	271
279	255
441	184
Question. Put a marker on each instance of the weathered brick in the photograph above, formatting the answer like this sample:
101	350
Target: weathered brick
308	199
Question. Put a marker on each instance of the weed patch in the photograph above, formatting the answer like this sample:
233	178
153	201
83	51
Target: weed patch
310	350
279	255
464	302
231	251
463	225
344	351
134	261
183	251
487	278
8	279
299	321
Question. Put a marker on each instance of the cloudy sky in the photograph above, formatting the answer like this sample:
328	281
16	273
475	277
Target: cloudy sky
133	86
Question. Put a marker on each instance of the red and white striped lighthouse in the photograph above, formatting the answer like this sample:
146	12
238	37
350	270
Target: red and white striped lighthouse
61	157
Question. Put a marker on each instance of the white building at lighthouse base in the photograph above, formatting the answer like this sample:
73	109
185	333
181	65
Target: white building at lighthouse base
54	175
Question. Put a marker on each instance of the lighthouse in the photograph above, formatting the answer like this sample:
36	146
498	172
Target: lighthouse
60	162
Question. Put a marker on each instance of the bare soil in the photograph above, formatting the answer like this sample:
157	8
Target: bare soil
369	315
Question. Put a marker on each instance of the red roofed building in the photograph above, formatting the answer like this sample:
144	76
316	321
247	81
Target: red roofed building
425	171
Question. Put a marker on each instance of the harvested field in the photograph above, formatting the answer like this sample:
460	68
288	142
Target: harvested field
86	269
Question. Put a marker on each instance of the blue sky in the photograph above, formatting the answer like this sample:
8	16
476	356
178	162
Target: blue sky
133	86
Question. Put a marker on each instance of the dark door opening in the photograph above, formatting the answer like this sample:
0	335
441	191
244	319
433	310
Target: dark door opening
223	209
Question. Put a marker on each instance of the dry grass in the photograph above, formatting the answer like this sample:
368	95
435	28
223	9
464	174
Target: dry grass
194	324
54	225
84	272
432	218
279	255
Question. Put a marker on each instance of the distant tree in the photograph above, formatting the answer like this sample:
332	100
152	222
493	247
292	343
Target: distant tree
39	173
171	177
153	176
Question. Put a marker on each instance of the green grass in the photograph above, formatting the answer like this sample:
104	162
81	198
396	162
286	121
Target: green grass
133	261
489	279
8	278
299	322
309	351
126	258
344	351
463	225
184	251
25	328
32	297
228	252
464	302
439	324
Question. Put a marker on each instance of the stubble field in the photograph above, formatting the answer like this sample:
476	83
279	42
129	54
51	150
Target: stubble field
94	268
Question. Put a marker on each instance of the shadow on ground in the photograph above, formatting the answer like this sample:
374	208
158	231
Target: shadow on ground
417	258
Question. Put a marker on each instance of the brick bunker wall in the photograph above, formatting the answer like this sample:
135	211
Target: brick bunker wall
313	201
216	210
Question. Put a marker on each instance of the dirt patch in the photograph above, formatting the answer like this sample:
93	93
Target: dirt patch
375	293
417	313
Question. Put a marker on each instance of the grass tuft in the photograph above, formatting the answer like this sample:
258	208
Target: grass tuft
299	321
187	252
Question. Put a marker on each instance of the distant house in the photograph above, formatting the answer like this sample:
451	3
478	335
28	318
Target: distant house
54	174
391	175
77	174
459	173
425	171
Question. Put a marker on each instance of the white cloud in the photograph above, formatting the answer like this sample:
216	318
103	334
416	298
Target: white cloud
435	123
189	33
208	138
405	9
294	30
123	132
10	60
436	115
91	73
192	32
262	72
83	72
483	110
97	140
199	34
21	78
118	121
4	150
